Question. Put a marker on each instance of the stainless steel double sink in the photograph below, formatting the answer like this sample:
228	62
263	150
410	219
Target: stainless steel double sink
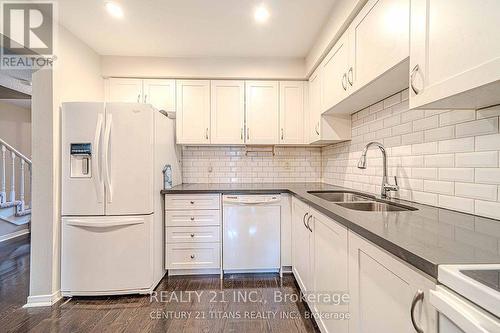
361	202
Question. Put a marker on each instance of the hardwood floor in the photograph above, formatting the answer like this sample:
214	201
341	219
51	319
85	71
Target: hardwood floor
239	303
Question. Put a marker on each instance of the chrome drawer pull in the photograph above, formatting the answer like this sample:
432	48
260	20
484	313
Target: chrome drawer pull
192	256
192	235
419	296
192	218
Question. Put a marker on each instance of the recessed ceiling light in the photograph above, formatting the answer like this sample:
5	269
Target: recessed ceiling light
114	9
261	14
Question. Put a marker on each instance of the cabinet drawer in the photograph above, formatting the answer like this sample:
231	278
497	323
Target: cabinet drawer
192	234
192	256
192	201
192	218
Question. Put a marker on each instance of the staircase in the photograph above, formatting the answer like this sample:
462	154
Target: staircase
14	167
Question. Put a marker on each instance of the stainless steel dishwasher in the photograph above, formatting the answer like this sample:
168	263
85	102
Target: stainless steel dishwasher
251	233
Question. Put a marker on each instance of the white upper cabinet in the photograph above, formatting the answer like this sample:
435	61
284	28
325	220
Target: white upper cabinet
334	70
262	113
379	40
291	112
454	54
314	106
227	114
193	112
124	90
160	94
386	293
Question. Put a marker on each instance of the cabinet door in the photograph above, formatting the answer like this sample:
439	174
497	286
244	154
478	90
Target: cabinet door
452	54
124	90
160	94
379	40
330	269
291	112
262	114
193	112
382	291
301	245
314	106
227	114
334	84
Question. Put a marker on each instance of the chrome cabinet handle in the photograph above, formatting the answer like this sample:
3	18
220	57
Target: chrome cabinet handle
304	220
419	296
191	202
282	134
308	219
412	78
344	79
145	99
241	134
192	256
316	128
350	76
206	133
192	218
192	235
139	98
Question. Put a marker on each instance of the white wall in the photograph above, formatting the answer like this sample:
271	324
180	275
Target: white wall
76	77
15	129
220	68
343	12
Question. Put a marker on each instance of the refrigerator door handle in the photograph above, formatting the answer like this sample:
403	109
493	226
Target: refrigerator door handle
107	176
107	224
95	161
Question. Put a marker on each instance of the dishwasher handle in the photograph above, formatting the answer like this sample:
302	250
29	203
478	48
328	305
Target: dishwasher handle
251	200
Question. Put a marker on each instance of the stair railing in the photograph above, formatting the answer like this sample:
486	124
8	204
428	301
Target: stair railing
11	155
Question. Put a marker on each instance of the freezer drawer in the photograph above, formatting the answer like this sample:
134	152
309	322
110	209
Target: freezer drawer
193	256
103	255
186	218
192	201
192	234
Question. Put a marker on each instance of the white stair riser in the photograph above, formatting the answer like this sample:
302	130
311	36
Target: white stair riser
6	212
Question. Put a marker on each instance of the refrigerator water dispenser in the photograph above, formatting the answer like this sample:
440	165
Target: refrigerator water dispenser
81	159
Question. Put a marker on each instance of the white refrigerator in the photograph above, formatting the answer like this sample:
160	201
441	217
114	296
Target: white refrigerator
112	220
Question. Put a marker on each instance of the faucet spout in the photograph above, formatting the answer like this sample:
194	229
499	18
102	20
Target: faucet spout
386	187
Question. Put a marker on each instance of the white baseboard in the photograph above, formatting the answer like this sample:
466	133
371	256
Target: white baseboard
14	235
43	300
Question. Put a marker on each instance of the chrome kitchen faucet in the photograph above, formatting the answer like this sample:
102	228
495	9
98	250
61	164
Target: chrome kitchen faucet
386	187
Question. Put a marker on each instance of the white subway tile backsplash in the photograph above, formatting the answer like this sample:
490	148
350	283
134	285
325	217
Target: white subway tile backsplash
416	137
392	121
412	115
476	191
478	127
426	123
439	187
456	203
402	129
425	148
392	100
412	161
440	160
487	159
456	116
438	134
425	198
493	111
456	145
488	142
487	176
456	174
425	173
487	208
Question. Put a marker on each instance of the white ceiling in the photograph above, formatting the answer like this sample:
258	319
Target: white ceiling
197	28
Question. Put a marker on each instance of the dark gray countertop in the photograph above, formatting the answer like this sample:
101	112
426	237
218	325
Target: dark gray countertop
424	238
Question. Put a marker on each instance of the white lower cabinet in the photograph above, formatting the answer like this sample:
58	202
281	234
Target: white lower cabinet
329	272
302	239
386	293
192	233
